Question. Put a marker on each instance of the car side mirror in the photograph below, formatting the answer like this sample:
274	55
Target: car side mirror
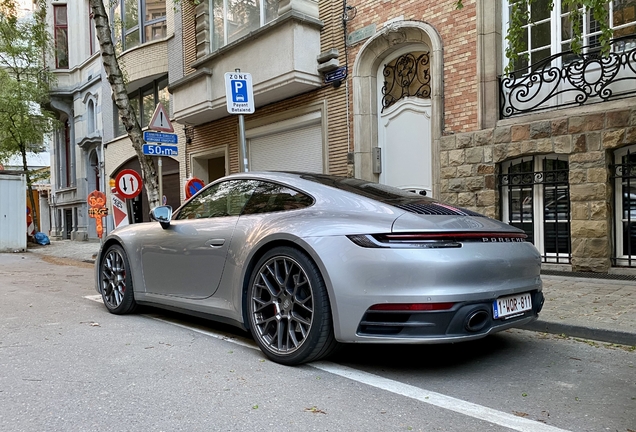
162	214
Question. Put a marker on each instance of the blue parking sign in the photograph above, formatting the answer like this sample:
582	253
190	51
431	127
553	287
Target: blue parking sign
239	93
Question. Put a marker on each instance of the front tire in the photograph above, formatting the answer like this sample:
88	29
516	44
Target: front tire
288	308
115	282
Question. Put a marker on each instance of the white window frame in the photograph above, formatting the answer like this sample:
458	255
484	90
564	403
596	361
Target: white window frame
555	29
622	260
140	27
262	21
538	216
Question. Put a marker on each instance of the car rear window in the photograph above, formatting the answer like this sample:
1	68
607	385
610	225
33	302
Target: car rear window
379	192
403	199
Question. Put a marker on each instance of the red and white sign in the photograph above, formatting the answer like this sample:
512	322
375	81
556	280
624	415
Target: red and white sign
128	183
30	224
160	120
120	211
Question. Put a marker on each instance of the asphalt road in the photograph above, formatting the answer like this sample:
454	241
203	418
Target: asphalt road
66	364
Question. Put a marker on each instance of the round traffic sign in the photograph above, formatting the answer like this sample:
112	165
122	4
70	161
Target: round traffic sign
128	183
193	186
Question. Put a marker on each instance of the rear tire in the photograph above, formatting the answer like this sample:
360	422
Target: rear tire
115	282
288	308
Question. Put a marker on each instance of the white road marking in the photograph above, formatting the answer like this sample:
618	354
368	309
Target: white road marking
470	409
235	340
437	399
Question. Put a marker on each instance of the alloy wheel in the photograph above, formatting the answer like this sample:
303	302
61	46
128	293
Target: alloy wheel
282	305
113	278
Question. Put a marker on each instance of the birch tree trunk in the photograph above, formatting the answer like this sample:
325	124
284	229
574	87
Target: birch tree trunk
127	115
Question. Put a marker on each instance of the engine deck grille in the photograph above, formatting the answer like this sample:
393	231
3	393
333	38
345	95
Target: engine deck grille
437	209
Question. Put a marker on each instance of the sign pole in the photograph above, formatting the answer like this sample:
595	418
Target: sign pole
245	168
159	164
242	143
239	96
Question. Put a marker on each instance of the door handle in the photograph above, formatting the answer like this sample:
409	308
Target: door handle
215	242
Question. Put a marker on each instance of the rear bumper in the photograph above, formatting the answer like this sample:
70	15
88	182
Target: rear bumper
471	277
465	321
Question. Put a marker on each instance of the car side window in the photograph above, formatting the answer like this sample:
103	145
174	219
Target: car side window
272	197
223	199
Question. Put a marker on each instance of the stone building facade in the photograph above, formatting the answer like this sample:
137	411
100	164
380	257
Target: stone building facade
470	164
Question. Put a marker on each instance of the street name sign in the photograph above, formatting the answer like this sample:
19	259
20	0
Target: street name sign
159	150
336	75
239	93
160	137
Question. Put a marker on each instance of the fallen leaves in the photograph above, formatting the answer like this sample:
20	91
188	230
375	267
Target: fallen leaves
315	410
91	323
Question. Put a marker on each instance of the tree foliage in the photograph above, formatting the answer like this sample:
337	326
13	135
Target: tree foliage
24	84
520	17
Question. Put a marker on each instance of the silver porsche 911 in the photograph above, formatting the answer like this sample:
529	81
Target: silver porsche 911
308	261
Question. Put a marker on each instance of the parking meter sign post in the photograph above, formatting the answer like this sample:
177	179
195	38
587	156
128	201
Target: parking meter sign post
239	95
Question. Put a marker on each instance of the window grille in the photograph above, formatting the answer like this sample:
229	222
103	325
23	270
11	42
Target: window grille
624	175
407	75
535	197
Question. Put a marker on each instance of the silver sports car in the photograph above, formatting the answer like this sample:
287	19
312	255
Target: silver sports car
308	261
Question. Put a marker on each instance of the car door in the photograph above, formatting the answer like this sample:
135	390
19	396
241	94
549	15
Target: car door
187	259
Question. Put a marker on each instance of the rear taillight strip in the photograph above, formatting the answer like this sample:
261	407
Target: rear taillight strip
376	241
470	236
433	240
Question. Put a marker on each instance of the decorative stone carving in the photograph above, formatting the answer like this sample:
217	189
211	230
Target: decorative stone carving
394	35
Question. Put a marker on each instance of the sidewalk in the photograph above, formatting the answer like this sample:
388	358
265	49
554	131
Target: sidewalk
589	308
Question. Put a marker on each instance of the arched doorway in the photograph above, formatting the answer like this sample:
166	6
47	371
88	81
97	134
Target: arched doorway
404	125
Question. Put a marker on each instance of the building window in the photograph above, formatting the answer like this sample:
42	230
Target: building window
408	75
61	36
233	19
132	28
549	32
535	197
624	175
66	158
144	101
90	113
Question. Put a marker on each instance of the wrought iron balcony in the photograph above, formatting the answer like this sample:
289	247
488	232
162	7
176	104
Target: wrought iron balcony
567	79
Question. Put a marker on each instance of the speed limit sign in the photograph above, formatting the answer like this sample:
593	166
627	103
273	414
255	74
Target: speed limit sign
128	183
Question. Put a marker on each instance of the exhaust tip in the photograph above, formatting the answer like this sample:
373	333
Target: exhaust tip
477	320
